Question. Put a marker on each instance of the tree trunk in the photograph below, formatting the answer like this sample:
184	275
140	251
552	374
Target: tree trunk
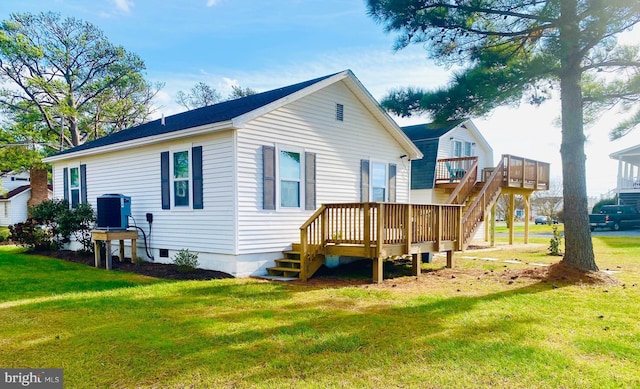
578	244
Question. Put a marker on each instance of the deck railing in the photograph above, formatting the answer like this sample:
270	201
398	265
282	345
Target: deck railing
453	170
525	173
376	230
466	185
475	213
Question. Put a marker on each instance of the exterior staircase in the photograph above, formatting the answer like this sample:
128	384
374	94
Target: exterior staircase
477	198
288	267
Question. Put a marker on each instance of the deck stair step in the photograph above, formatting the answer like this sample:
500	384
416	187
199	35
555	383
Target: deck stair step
287	268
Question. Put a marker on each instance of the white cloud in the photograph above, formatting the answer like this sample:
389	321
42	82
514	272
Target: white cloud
123	5
211	3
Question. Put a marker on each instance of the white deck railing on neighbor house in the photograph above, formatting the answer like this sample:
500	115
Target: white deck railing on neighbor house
628	183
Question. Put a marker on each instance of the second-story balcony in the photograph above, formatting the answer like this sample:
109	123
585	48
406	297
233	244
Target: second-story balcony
518	172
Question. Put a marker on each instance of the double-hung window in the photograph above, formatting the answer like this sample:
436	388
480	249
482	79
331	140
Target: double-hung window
468	149
288	178
377	181
290	169
75	185
457	149
181	178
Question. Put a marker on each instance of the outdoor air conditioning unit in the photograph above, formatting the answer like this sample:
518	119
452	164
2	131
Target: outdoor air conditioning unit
113	212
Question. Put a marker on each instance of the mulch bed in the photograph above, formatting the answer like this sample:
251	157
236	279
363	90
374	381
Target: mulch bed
151	269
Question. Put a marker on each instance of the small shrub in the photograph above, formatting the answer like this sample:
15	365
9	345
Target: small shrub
186	261
33	235
555	243
4	234
52	223
78	222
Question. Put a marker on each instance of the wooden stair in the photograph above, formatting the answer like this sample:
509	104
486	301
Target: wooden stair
287	268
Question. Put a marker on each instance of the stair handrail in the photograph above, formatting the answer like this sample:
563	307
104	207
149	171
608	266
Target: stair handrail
465	185
472	216
308	250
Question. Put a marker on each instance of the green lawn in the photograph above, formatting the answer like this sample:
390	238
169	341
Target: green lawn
461	329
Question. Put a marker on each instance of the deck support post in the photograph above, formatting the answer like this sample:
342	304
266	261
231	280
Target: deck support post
450	259
378	273
527	216
512	216
416	263
492	236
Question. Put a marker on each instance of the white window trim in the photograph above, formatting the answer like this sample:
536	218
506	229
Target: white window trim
293	149
70	188
172	195
471	146
386	178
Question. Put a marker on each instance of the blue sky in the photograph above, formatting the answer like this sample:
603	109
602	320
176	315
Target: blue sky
272	43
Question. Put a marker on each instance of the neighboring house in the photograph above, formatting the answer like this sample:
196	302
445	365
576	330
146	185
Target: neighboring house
15	196
235	181
628	187
453	139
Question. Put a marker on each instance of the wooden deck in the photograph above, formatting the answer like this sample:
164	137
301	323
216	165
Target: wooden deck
378	231
386	230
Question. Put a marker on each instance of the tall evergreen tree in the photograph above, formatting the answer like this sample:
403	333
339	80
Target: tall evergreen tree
516	49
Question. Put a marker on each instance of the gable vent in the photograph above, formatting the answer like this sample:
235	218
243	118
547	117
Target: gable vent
340	112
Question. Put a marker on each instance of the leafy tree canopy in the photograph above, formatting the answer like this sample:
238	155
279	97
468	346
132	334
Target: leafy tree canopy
203	94
64	83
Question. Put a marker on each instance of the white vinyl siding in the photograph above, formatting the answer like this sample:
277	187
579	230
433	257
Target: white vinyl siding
14	210
136	173
339	146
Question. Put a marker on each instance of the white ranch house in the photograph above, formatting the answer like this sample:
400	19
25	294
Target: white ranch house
234	181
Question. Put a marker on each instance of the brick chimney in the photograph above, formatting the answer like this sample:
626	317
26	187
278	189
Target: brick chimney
39	186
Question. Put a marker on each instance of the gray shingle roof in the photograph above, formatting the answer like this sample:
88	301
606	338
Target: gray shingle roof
197	117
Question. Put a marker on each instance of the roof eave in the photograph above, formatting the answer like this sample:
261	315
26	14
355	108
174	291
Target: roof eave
145	141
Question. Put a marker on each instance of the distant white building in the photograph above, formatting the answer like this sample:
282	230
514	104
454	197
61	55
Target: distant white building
15	196
628	186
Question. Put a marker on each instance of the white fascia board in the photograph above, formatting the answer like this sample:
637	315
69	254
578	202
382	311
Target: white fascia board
188	132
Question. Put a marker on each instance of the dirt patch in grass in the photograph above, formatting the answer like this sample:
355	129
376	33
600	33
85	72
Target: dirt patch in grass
560	272
151	269
398	275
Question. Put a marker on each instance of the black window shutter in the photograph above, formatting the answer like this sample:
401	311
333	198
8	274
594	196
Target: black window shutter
83	184
196	158
269	177
164	180
364	180
392	182
310	181
65	185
